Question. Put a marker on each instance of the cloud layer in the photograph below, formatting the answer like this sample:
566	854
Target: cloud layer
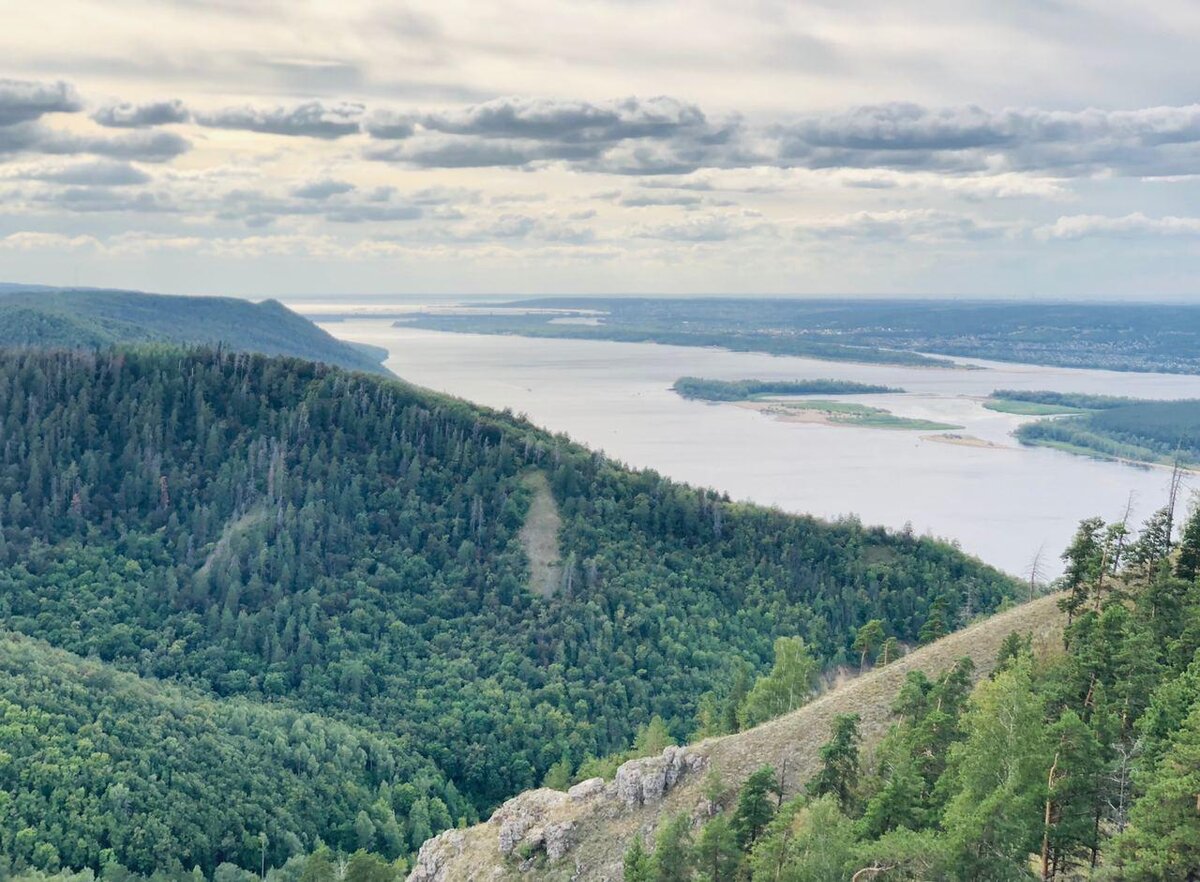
548	188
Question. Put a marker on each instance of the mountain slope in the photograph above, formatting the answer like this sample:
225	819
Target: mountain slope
589	829
282	532
91	319
142	768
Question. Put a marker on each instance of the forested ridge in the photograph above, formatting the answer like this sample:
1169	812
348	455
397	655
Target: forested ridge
287	541
96	319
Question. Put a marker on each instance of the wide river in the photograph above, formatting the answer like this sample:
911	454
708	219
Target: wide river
1003	503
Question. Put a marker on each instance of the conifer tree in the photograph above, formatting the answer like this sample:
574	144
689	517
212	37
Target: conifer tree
754	808
838	775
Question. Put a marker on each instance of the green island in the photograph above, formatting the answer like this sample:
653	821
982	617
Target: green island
1109	427
745	390
850	414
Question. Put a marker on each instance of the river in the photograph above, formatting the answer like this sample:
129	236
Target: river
1002	503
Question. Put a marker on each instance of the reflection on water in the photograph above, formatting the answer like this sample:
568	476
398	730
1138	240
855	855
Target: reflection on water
1002	504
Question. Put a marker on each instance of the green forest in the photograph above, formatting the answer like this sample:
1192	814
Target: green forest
742	390
260	609
59	318
1118	428
1077	760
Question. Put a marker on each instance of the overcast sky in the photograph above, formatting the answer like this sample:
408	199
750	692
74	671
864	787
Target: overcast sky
1046	148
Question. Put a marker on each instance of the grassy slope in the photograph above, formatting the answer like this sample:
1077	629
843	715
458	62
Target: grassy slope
91	319
792	741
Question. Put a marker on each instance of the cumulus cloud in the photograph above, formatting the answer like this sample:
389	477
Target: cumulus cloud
968	139
104	173
322	189
104	199
635	136
136	116
1135	225
569	121
141	146
22	101
312	119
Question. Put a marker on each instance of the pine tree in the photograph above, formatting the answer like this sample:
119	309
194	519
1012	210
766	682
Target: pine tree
1163	838
1187	565
935	626
754	809
838	776
638	865
672	861
866	639
717	855
1085	561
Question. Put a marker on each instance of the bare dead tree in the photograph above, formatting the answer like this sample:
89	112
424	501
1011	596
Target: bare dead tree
1035	570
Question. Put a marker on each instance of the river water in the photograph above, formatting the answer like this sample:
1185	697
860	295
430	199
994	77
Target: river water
1003	504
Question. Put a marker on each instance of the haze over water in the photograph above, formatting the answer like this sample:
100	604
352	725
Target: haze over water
1000	504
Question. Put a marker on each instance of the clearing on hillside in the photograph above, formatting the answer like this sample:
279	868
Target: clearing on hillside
539	536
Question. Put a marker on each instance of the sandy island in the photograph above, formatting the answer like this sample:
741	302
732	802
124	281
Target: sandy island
965	441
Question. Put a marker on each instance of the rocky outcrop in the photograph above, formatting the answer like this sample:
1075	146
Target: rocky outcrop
435	857
524	821
643	781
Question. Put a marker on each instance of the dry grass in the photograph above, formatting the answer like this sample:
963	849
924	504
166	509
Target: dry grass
539	536
790	743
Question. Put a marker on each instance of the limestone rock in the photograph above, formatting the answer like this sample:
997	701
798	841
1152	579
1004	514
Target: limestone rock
523	819
646	780
588	789
435	855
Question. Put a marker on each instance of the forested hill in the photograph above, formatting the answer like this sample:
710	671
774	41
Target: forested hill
92	318
291	542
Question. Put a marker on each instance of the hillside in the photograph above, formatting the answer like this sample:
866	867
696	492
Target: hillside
93	319
594	825
149	766
285	534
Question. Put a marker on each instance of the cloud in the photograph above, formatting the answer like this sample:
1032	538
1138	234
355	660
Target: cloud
569	121
923	225
312	119
103	199
629	136
389	125
142	146
322	189
23	101
646	200
105	173
135	116
704	228
971	139
1129	226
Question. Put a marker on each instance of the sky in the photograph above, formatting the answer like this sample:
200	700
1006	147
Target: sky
1026	148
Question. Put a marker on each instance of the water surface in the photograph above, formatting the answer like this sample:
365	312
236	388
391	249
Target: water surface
1000	504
